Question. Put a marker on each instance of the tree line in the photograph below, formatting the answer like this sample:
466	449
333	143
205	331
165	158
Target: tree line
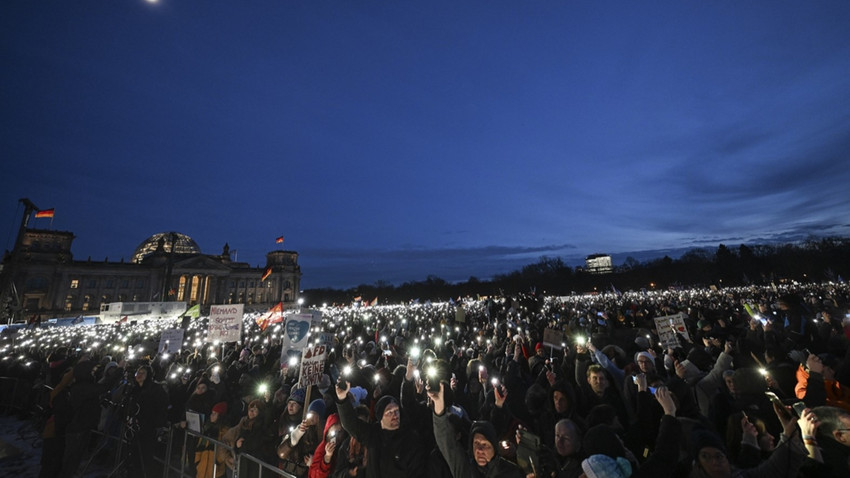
813	260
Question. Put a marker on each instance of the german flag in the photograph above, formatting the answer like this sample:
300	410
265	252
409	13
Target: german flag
44	213
266	274
279	240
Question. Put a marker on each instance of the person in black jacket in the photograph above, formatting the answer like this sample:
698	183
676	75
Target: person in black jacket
484	444
393	450
84	400
147	411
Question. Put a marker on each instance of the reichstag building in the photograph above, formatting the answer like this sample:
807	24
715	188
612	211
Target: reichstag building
169	266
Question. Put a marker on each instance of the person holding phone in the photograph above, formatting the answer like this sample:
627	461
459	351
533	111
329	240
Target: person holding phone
483	443
393	449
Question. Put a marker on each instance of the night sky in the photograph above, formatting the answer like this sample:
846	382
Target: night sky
396	139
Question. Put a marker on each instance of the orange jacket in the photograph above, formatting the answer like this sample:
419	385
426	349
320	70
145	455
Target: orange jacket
836	395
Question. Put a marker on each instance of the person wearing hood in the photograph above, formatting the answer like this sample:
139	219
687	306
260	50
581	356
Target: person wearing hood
324	459
84	399
484	461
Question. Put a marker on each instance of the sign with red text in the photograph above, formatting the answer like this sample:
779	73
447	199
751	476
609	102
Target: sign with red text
225	323
313	364
670	325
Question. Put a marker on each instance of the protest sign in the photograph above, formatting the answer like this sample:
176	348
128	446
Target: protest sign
225	323
670	325
553	338
296	332
313	365
171	341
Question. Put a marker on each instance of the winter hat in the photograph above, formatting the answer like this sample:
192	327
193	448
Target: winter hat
702	359
382	405
601	440
297	395
701	324
642	342
603	466
359	394
220	408
486	430
317	406
538	346
645	355
324	383
703	438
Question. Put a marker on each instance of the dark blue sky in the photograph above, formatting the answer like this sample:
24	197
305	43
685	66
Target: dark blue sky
392	140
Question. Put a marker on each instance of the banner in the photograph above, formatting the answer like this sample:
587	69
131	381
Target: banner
225	323
296	332
171	341
670	325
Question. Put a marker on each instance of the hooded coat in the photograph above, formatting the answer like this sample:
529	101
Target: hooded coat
318	467
461	464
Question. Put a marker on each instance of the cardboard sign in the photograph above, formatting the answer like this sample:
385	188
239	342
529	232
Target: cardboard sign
553	338
171	341
313	365
670	325
225	323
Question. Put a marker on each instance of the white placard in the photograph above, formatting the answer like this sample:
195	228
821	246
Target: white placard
225	323
171	341
670	325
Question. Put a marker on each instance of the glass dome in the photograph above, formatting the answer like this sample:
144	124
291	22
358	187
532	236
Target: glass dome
182	244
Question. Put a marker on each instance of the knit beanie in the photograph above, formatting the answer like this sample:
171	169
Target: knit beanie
486	430
704	439
603	466
382	405
317	406
601	440
220	408
297	396
359	394
645	355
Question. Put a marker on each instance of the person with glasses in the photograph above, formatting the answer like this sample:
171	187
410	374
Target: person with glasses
393	449
833	439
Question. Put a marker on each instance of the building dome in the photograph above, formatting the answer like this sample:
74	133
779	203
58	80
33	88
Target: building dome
181	243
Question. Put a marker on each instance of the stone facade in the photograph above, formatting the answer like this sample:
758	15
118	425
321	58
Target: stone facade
47	279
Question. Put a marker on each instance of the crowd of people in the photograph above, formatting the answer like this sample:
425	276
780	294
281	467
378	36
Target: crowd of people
756	384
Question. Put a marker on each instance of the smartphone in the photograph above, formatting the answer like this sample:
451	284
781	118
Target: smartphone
774	398
798	408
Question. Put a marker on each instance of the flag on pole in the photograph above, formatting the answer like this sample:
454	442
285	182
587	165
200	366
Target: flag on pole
44	213
266	274
194	311
374	302
279	240
273	316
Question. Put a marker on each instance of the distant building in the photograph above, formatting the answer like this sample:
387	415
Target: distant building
598	264
44	278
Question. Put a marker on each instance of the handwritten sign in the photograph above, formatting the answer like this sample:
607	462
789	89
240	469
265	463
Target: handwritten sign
313	365
553	338
225	323
171	341
670	325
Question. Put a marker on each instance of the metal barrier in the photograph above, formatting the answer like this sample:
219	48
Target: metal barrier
241	461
